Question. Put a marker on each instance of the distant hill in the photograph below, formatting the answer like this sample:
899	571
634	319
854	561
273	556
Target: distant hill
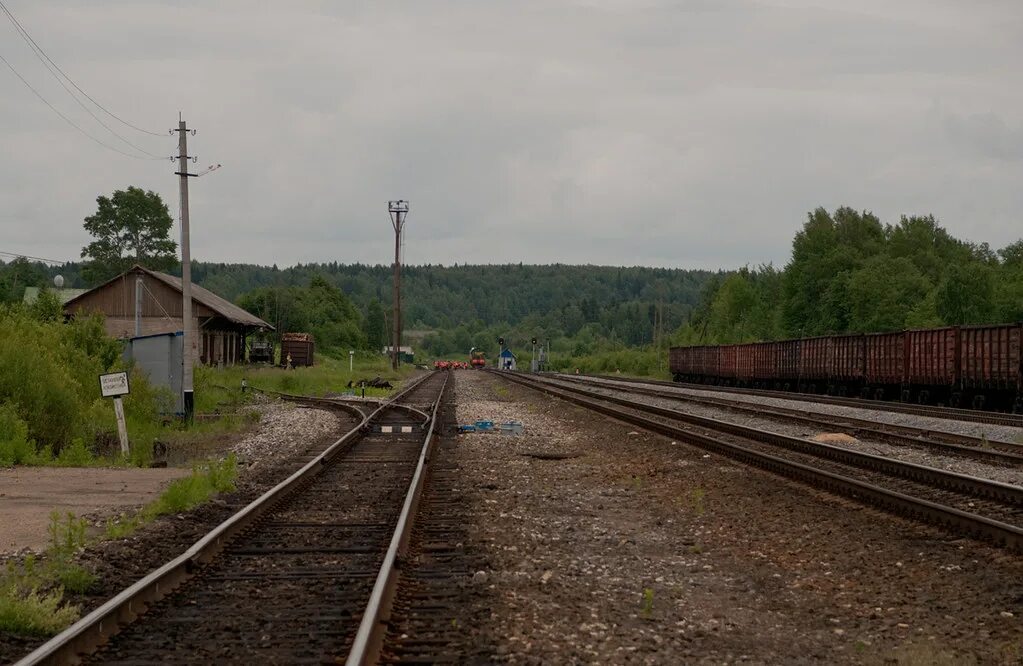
443	297
620	304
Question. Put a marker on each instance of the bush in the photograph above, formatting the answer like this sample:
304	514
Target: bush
15	446
204	481
33	613
49	380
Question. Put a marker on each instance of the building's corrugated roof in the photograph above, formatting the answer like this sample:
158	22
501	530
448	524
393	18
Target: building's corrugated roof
65	295
221	306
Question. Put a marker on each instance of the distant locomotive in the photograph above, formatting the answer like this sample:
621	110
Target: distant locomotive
978	366
477	358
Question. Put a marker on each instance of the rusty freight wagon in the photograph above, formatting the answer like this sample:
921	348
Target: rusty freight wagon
789	368
814	363
931	364
990	365
978	366
299	346
764	363
885	358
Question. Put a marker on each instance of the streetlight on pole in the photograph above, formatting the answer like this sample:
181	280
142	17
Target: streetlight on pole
398	211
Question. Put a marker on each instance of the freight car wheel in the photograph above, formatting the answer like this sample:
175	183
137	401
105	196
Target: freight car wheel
955	400
978	401
923	397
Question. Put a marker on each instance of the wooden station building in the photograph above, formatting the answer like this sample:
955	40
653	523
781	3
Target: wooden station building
221	326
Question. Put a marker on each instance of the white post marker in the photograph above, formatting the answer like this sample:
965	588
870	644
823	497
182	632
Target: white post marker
114	385
351	360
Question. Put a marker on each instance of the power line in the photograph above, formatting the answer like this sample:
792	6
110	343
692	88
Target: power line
27	256
51	67
71	122
35	46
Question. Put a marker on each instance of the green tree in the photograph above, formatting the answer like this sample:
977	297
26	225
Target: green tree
966	294
375	325
928	245
17	275
130	227
827	246
883	293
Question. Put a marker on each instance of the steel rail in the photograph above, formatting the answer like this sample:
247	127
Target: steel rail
939	478
373	626
933	411
104	621
1001	452
352	406
1010	536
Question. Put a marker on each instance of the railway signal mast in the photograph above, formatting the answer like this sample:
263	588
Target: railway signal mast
398	211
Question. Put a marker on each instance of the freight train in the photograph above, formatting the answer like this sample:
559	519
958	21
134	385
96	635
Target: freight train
978	366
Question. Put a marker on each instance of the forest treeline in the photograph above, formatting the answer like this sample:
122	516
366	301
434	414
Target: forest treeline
447	309
851	273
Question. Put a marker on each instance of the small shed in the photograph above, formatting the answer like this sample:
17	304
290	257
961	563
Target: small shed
161	357
220	327
506	360
405	354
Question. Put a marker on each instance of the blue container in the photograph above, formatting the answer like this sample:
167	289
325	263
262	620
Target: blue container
485	425
511	428
466	428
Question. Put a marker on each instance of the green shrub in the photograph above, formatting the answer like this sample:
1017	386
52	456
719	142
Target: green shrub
15	446
204	481
34	613
76	455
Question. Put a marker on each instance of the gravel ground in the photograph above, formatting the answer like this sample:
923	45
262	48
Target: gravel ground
992	432
285	429
300	433
606	544
919	455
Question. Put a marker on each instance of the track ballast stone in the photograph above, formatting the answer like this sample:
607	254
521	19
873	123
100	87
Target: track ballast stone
642	550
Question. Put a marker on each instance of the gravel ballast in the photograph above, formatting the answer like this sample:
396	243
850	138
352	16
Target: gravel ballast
609	544
919	455
992	432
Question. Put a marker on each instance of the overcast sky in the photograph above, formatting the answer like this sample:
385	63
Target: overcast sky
681	134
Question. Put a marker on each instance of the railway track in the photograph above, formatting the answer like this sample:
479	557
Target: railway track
953	413
995	451
973	506
306	573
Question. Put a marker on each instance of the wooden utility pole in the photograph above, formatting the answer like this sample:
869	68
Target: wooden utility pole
398	210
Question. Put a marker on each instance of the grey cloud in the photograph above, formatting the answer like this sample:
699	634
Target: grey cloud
602	131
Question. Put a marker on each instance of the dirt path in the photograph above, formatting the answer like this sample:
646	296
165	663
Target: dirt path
28	495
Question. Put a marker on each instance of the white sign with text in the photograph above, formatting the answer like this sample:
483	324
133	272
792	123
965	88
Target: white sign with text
114	384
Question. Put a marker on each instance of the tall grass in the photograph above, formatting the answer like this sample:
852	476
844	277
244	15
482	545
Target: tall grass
642	362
